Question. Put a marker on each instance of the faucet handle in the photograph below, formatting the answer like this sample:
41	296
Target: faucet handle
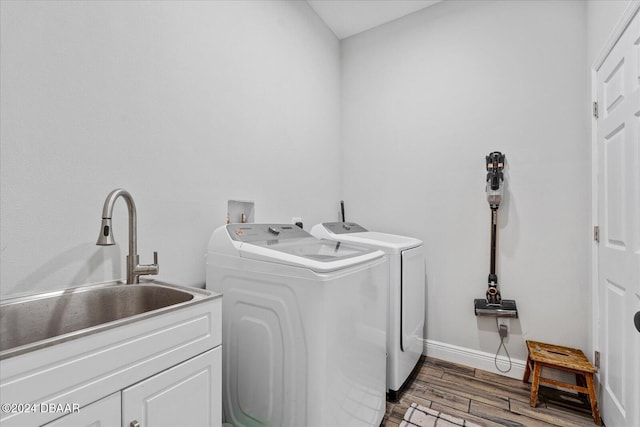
155	266
146	269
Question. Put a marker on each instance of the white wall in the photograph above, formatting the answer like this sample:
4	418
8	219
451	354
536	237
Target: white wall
425	98
187	105
184	104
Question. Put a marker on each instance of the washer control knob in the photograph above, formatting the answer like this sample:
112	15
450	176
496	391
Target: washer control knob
274	230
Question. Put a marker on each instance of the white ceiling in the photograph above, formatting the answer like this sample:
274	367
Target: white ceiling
349	17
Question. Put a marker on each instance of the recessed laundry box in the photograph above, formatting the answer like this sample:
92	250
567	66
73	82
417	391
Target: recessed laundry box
405	336
303	327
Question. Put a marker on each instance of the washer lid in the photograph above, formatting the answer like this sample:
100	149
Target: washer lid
291	245
353	233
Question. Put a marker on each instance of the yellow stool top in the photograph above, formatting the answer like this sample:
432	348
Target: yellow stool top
559	356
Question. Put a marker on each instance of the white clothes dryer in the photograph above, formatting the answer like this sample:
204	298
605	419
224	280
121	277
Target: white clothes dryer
303	327
405	336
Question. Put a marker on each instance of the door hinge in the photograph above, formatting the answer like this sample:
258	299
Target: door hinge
595	109
596	358
596	233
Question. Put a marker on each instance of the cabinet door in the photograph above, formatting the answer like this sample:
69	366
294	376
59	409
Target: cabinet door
189	394
103	413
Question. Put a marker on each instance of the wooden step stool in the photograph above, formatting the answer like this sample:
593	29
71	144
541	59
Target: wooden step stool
565	359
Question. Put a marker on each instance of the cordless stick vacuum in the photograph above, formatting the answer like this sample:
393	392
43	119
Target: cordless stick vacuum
493	304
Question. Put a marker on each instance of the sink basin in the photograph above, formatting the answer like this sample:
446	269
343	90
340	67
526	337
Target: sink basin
35	321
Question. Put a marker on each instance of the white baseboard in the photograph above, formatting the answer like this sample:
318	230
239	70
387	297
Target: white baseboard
473	358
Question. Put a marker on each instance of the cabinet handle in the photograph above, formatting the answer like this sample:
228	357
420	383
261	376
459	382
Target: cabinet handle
134	423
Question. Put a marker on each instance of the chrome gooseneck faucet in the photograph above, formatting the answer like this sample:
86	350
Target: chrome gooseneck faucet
134	270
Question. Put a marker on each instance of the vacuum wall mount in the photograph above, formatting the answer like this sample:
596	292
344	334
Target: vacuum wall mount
493	304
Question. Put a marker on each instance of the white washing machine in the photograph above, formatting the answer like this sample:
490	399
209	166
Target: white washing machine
405	336
304	327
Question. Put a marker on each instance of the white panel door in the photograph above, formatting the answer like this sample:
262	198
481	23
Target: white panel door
618	150
189	394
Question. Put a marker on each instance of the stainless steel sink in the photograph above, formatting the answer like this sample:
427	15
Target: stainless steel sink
31	322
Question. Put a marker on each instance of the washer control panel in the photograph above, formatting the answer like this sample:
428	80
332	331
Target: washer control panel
344	227
261	232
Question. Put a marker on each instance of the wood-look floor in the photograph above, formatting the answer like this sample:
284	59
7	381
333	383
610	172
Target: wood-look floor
485	398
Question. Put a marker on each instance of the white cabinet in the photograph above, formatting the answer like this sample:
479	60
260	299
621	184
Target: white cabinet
188	394
103	413
160	370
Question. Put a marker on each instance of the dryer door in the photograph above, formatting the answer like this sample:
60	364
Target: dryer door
412	307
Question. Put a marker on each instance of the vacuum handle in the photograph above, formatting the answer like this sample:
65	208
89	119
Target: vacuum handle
494	238
342	209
